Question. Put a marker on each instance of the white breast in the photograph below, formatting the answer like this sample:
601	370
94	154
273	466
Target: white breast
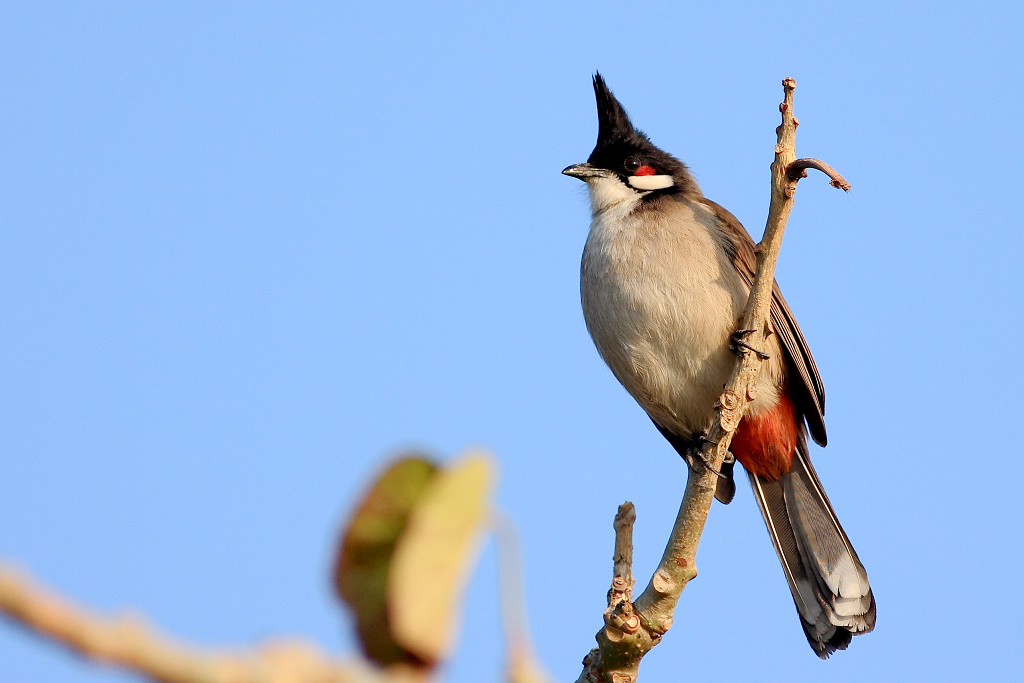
660	298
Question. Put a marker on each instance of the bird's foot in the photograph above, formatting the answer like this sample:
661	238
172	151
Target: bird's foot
695	454
740	347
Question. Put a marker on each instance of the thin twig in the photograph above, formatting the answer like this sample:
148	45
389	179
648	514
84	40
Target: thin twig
620	619
798	170
623	560
619	616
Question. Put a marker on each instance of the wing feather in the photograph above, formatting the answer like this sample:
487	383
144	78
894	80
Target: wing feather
809	390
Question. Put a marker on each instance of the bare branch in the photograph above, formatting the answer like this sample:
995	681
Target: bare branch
619	616
623	569
622	625
617	659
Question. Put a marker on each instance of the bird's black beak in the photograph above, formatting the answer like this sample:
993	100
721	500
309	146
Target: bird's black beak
585	171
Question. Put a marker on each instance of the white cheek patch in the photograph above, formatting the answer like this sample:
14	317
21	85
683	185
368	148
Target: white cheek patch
651	182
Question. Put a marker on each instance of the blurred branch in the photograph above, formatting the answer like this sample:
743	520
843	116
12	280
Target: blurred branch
522	665
128	642
632	630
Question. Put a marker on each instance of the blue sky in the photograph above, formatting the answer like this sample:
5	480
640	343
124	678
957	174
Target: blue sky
250	250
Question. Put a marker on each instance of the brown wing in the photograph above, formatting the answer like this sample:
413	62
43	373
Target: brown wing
805	380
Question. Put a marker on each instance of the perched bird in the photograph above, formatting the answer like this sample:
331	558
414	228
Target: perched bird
664	280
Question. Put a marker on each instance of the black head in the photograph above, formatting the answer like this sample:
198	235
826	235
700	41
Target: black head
629	154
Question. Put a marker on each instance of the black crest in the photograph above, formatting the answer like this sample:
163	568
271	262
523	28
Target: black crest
618	139
613	124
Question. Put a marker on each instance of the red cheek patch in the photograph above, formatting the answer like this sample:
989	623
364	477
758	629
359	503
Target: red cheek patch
645	170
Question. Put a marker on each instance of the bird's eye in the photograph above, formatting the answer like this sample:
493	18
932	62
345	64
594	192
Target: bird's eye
632	164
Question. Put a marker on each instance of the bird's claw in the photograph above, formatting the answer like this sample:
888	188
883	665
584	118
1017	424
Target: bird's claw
740	347
696	454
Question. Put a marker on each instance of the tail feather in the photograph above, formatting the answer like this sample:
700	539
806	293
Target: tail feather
829	584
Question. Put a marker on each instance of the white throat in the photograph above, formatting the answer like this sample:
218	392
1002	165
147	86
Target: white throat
607	192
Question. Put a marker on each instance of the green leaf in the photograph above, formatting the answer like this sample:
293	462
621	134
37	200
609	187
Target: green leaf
367	548
434	556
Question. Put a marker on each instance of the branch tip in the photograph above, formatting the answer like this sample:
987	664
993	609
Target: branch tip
625	515
798	169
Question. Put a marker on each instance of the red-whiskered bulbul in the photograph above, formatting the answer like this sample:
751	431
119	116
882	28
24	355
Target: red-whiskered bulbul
664	280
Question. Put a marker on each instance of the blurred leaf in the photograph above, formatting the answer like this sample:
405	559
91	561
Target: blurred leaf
364	558
434	556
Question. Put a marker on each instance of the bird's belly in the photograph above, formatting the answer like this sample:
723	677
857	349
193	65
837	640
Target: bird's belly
665	339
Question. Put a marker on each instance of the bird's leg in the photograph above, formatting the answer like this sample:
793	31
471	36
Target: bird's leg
740	347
